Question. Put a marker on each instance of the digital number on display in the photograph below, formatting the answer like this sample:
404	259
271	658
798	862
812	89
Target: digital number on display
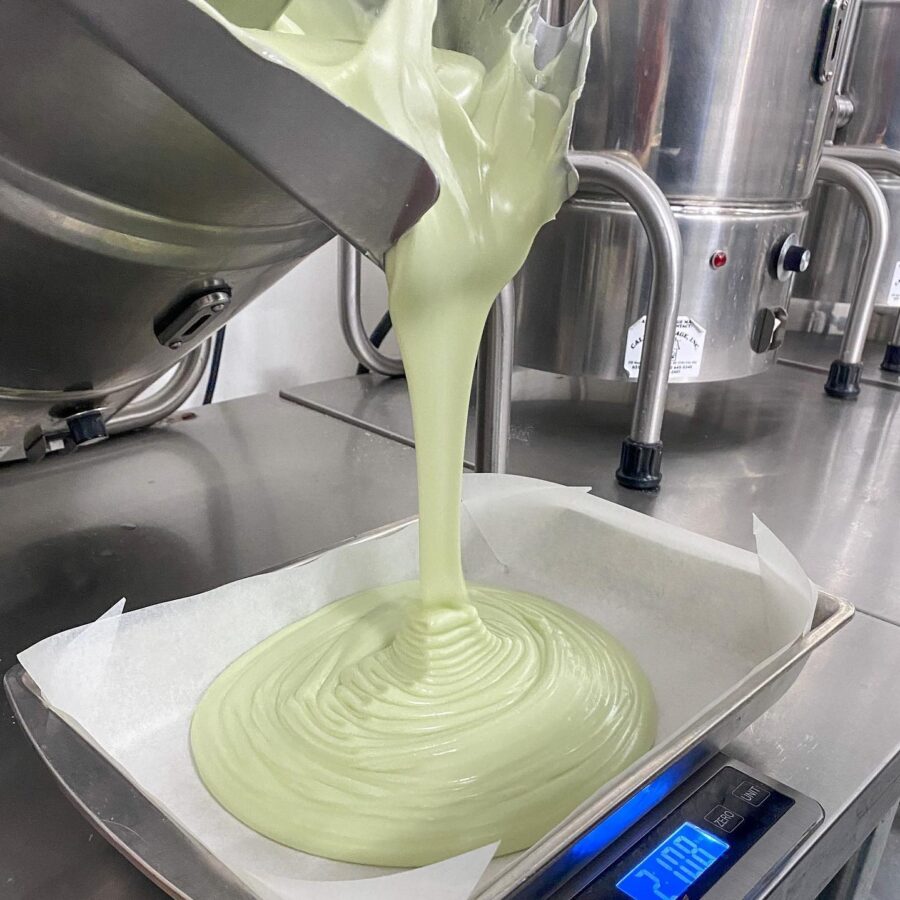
666	872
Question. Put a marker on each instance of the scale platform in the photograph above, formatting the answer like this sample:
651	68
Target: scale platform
721	835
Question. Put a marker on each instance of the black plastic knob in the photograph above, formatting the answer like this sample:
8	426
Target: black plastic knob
796	259
87	427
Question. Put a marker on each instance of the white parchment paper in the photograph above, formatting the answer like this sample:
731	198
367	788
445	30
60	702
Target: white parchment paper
699	616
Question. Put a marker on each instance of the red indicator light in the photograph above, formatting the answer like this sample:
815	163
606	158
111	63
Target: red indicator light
718	259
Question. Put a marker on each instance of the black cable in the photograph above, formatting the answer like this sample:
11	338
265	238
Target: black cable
382	330
214	366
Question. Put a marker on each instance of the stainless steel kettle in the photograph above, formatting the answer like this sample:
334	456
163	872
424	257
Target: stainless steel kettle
156	175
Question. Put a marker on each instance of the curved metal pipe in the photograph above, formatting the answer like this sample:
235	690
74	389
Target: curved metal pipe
619	175
186	376
836	169
872	159
493	385
885	160
350	309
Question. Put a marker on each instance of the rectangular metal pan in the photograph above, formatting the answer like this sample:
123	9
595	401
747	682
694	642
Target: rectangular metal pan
184	869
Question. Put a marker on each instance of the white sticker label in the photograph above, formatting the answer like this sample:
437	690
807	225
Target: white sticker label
687	353
894	294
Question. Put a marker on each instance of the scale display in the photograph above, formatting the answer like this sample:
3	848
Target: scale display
673	865
718	835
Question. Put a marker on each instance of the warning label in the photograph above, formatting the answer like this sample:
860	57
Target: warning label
687	352
894	294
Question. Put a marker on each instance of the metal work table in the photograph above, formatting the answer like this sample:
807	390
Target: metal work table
816	352
249	484
821	473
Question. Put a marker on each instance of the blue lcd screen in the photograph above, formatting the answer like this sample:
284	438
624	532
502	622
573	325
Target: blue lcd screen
667	872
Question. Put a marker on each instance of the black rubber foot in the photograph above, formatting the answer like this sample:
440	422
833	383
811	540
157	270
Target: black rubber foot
843	380
87	428
891	361
639	465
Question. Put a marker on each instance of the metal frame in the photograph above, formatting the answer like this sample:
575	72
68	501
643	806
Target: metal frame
873	159
618	174
638	470
854	881
350	311
186	376
836	168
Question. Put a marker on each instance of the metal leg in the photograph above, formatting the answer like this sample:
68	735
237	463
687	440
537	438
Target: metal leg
493	385
855	879
642	450
349	305
843	378
164	402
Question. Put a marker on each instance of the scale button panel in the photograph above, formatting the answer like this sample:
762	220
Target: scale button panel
751	793
724	818
695	846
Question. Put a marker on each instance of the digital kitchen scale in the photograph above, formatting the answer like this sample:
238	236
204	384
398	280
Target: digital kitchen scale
721	835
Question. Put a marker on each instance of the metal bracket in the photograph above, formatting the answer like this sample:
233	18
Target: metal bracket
827	56
194	313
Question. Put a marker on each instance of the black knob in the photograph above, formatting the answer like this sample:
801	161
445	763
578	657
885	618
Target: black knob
87	427
796	258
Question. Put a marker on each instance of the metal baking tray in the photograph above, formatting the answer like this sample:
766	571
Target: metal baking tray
184	869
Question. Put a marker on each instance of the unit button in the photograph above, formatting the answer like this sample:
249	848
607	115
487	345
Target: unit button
724	818
751	793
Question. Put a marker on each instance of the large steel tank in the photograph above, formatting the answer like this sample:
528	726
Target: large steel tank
726	105
870	104
155	176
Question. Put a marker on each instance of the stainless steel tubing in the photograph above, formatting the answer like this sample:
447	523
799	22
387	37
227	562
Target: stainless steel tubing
887	160
493	385
843	378
350	308
870	158
642	449
185	377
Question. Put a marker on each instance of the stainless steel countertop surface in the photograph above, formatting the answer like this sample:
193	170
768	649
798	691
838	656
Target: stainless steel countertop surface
823	474
170	512
818	351
253	483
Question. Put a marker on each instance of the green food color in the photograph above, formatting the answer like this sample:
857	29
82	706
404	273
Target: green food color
380	732
403	725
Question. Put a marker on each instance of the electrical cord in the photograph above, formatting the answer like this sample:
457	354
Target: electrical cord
380	332
213	379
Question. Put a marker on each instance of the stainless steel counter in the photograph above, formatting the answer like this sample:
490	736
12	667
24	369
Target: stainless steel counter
241	487
253	483
818	351
824	474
